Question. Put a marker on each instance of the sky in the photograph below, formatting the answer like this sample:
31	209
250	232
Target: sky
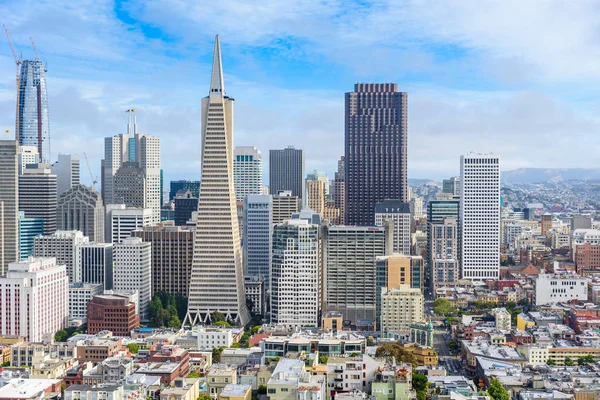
517	78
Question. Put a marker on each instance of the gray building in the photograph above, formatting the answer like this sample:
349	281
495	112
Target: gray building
579	221
185	204
67	172
286	171
284	205
349	268
129	186
176	186
64	246
399	213
451	186
96	263
172	251
443	253
9	201
37	195
437	212
375	149
258	234
81	209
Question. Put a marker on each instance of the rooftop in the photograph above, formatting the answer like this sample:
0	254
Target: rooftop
26	388
233	390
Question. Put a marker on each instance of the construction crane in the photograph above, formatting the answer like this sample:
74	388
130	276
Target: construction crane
37	57
94	180
18	62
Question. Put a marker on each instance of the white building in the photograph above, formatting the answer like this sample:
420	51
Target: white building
34	299
142	149
295	274
96	263
258	236
247	171
80	295
67	173
536	354
400	308
479	216
122	220
132	270
351	373
554	288
417	204
510	232
502	318
209	338
27	155
64	246
399	213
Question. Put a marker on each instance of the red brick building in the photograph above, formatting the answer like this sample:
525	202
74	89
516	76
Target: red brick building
112	312
587	257
172	354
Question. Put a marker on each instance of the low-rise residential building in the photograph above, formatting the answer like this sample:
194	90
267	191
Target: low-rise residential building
172	354
209	337
393	383
24	353
219	376
243	357
182	389
290	381
92	392
536	354
96	348
167	371
502	317
236	392
555	288
22	389
350	373
481	347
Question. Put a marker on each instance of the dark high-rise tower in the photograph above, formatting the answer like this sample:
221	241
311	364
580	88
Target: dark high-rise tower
375	149
32	108
286	171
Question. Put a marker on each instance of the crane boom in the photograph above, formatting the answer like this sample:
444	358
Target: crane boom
94	180
37	57
17	61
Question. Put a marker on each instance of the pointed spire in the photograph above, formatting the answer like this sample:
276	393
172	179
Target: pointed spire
217	87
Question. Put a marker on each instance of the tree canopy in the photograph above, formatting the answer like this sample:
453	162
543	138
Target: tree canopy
497	391
395	351
442	306
167	310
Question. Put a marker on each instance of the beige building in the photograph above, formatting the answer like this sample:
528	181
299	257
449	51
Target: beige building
332	320
236	392
284	205
219	376
315	195
217	279
400	307
182	389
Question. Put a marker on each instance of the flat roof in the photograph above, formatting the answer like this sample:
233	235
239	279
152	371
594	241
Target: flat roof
19	388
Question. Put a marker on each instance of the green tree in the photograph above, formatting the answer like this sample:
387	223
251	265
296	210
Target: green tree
216	354
419	382
204	396
589	359
442	306
236	346
6	364
133	348
256	329
193	375
174	322
222	323
568	361
262	389
217	317
154	309
551	362
61	336
323	359
391	351
497	391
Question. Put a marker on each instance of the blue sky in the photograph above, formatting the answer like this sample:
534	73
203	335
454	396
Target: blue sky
517	78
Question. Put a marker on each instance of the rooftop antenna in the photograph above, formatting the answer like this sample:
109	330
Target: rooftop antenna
18	62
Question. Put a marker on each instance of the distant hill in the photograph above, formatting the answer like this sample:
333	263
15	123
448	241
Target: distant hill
421	182
539	175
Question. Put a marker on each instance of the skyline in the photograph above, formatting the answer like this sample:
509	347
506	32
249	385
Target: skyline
471	83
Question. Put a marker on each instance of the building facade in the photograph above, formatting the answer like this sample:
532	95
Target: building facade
112	312
349	269
81	209
185	205
34	299
286	171
284	205
64	246
97	263
37	195
176	186
451	186
9	203
443	254
121	221
316	195
479	217
129	186
258	236
399	214
554	288
133	270
296	274
29	229
80	295
375	149
401	307
172	252
247	171
32	123
67	172
217	281
339	189
27	155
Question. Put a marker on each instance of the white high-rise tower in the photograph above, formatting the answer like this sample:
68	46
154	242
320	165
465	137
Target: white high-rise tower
217	281
479	216
247	171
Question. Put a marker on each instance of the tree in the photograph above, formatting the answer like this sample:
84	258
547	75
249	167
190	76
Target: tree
550	362
204	396
133	348
193	375
256	329
497	391
442	306
589	359
216	354
568	361
174	322
419	382
217	317
262	389
222	323
236	346
61	336
323	359
392	351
